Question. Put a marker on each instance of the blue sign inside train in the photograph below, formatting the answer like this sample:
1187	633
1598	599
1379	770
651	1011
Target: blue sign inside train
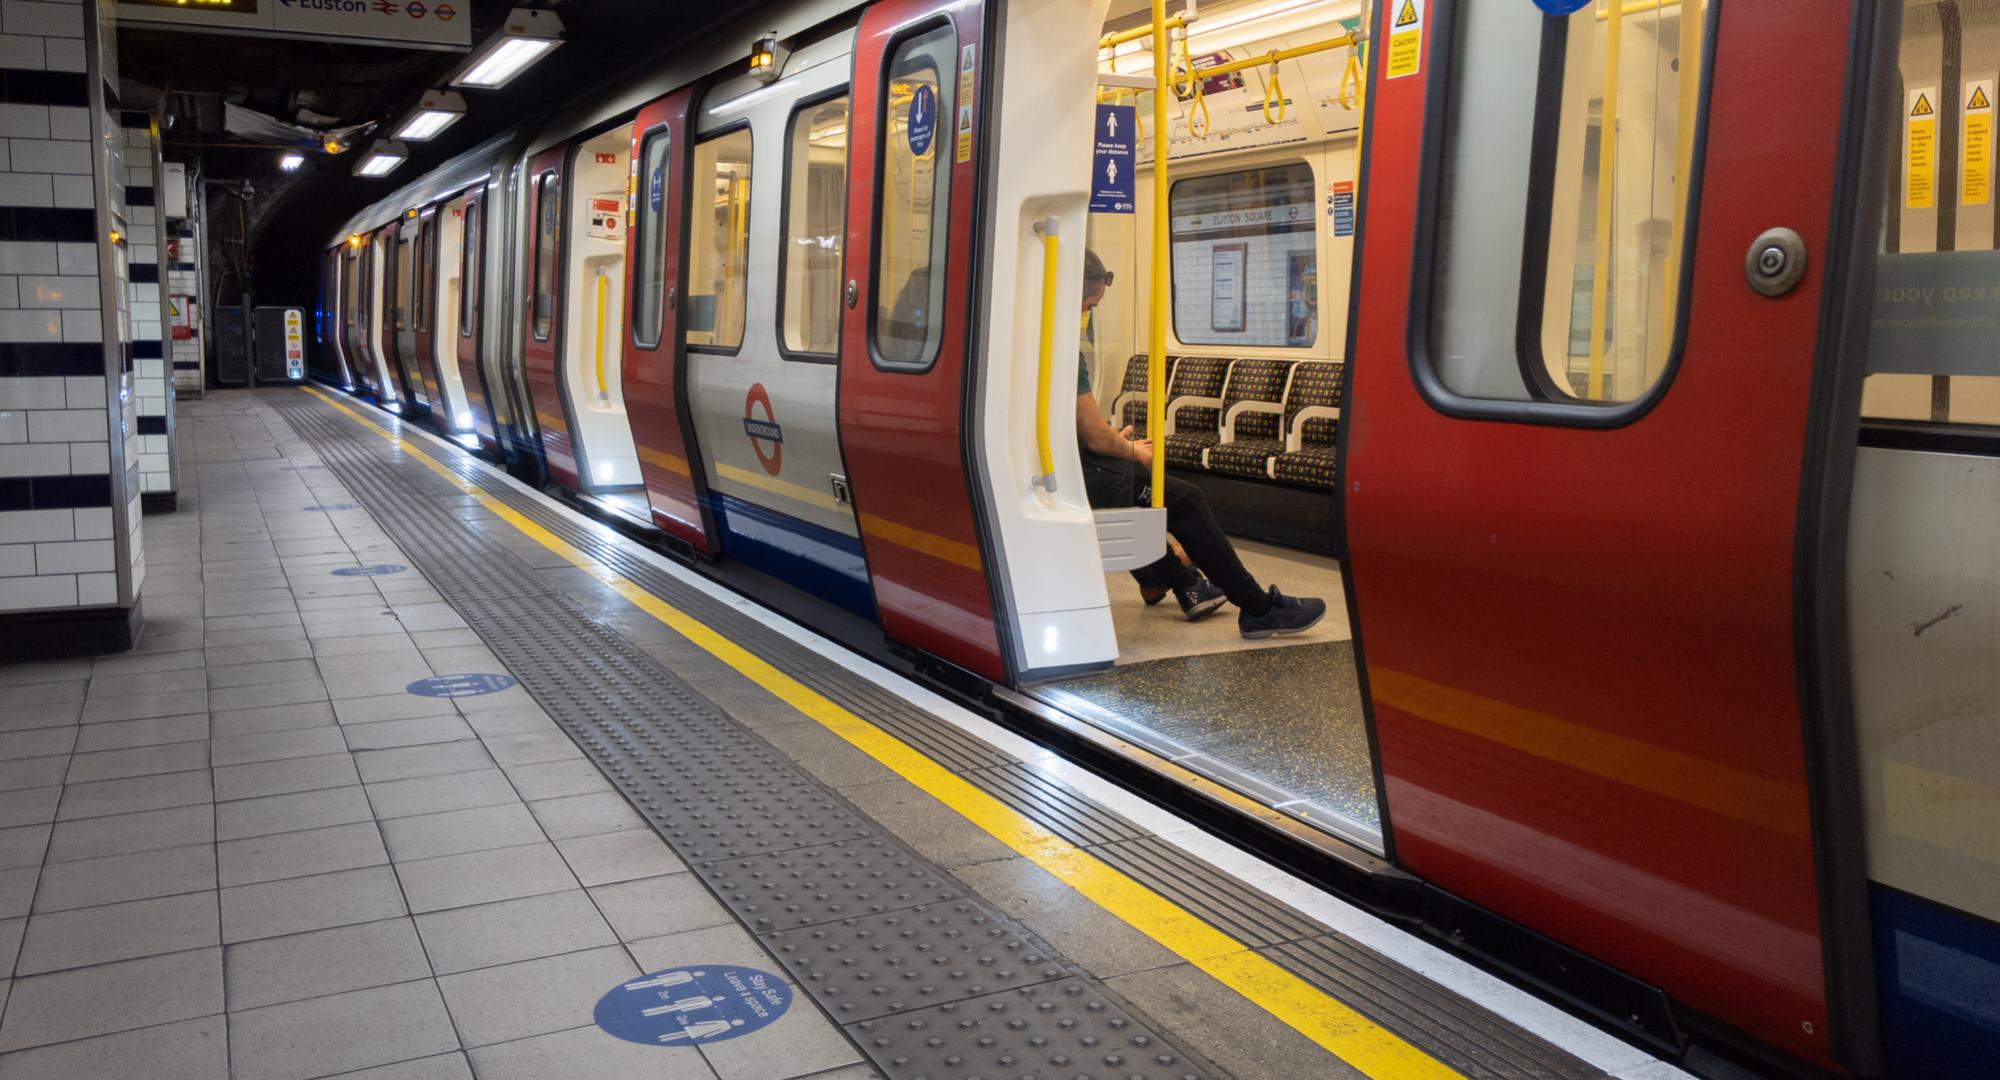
656	188
376	570
1114	160
922	119
1562	7
697	1003
458	686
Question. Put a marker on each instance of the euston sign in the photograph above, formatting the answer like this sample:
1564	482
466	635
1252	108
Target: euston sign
411	24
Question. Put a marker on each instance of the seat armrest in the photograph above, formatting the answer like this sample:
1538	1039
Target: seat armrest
1310	412
1241	407
1175	406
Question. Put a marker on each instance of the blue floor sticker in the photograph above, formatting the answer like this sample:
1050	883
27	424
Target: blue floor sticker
333	506
457	686
698	1003
376	570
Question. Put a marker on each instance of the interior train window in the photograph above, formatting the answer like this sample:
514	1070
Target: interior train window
1573	298
914	199
815	213
1931	358
548	233
1246	257
648	293
719	240
468	269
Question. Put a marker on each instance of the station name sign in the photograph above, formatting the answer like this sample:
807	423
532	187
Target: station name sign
410	24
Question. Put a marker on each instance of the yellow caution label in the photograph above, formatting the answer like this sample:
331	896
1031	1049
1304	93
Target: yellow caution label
1405	54
968	65
1975	173
1920	151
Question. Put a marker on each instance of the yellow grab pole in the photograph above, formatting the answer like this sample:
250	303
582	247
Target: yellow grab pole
603	391
1112	41
1045	358
1156	337
1690	92
1607	173
1276	55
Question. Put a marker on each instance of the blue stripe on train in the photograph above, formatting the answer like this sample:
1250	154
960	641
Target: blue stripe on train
807	556
1939	973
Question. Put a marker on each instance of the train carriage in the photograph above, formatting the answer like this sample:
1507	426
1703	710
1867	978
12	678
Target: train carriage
1620	373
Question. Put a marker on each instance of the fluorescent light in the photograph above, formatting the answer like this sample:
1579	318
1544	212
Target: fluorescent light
382	158
527	36
291	162
438	110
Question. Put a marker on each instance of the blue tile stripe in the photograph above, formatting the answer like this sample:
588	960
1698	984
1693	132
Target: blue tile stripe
18	87
43	223
42	359
54	492
143	273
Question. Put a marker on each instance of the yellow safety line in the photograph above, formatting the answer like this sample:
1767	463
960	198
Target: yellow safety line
1331	1023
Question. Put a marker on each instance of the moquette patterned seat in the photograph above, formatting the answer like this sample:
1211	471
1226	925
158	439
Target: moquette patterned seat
1194	409
1311	422
1252	419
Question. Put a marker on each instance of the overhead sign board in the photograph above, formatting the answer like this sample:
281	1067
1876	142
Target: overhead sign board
410	24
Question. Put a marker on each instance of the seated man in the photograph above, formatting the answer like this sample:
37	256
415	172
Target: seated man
1117	471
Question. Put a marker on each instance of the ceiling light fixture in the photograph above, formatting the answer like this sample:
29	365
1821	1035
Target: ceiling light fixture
527	36
437	110
382	158
291	161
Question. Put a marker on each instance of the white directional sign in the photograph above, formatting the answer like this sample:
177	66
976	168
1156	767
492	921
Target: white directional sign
411	24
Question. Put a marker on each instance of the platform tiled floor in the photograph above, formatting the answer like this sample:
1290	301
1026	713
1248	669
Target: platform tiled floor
245	851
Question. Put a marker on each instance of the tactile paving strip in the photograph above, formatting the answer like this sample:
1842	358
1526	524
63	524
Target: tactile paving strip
1068	1028
728	804
789	889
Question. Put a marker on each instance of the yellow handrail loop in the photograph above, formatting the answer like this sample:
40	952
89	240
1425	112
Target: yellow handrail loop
1045	357
1272	91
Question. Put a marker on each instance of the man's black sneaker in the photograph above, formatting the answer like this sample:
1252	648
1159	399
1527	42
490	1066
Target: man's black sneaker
1199	600
1287	615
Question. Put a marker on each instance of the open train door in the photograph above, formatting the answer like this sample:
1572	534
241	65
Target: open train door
655	374
904	343
471	326
543	332
1596	462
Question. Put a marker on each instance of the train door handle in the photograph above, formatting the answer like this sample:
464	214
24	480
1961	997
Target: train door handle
1776	262
672	295
853	292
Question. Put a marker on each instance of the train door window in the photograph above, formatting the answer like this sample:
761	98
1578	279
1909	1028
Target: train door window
719	241
1246	257
1931	359
913	201
648	282
420	285
815	217
1573	297
548	233
468	269
405	279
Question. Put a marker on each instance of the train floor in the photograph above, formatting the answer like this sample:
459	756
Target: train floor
1278	719
417	774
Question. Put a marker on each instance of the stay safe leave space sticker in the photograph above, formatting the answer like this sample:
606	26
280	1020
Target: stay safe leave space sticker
692	1004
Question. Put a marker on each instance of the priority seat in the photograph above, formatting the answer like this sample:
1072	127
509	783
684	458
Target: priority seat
1129	407
1194	409
1312	420
1253	413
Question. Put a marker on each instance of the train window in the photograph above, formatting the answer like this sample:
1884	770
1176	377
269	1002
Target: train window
1931	359
1246	257
914	199
1574	299
420	289
548	233
468	270
815	211
719	240
404	279
648	291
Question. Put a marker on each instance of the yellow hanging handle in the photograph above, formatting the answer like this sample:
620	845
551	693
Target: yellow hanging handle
603	286
1349	93
1045	356
1273	92
1197	99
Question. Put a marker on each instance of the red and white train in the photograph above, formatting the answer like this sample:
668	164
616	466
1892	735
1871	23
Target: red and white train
1668	463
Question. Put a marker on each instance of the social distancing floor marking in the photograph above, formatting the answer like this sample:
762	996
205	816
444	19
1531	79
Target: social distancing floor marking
1327	1021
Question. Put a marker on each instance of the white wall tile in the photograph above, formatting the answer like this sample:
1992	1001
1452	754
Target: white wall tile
13	426
35	526
24	121
84	392
75	557
97	588
51	156
40	291
31	189
89	459
73	196
34	459
24	52
72	257
33	392
24	593
82	326
69	122
68	425
48	20
93	523
17	560
63	54
36	257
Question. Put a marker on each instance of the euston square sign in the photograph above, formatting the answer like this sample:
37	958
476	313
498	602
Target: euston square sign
410	24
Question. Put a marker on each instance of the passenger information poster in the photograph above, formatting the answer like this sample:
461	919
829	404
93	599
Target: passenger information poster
1114	160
